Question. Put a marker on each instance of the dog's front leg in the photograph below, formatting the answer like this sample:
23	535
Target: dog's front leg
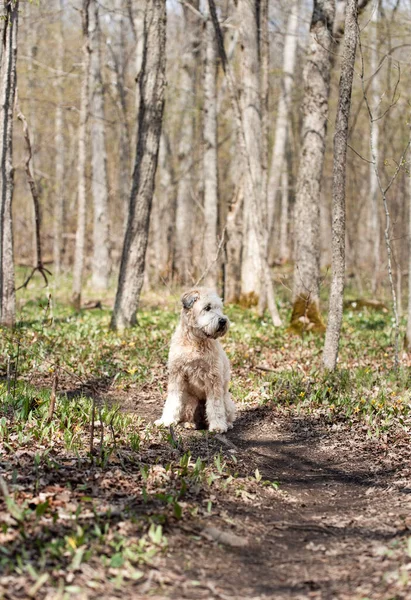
215	409
173	406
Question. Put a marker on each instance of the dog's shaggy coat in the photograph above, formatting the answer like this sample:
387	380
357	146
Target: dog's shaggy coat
199	371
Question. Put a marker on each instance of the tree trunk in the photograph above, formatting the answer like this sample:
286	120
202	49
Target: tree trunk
59	147
251	268
374	220
152	91
159	255
233	248
138	21
81	164
264	53
332	336
409	265
117	48
306	292
185	208
284	249
99	181
256	208
7	95
278	162
210	158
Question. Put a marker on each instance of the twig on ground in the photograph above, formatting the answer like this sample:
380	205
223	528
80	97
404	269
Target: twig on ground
226	441
262	368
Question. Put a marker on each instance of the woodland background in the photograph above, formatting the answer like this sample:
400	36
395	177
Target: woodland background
49	82
308	495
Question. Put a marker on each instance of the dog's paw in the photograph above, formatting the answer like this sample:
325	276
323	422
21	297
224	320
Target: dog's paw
162	423
218	427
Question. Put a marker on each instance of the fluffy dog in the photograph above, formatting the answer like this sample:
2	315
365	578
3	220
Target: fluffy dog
199	371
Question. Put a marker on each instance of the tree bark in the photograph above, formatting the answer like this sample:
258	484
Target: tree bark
8	80
332	336
210	158
152	91
233	248
284	249
251	268
306	292
409	266
278	162
264	53
185	209
117	48
59	147
159	254
138	22
374	220
99	180
81	163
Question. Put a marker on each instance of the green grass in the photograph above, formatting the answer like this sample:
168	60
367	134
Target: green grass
269	364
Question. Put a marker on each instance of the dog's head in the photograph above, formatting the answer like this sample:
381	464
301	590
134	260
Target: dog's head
203	314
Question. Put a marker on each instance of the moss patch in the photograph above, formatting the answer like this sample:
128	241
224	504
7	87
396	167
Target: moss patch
306	317
248	300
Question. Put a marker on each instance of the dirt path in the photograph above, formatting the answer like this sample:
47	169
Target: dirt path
338	528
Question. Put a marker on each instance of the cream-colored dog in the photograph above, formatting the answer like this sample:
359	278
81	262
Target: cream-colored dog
199	371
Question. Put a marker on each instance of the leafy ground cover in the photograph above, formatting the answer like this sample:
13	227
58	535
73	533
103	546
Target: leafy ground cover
306	497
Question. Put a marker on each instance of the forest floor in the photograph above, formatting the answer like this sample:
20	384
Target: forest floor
309	496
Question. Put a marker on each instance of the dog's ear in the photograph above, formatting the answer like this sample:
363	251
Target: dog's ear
188	298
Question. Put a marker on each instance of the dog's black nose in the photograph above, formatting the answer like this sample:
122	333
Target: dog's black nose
221	323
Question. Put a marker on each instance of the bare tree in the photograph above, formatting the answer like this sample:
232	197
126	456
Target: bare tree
408	335
39	266
210	156
81	162
332	336
117	48
8	79
374	221
251	268
314	127
233	247
31	10
159	252
284	249
256	209
99	180
278	162
59	145
138	30
150	116
185	187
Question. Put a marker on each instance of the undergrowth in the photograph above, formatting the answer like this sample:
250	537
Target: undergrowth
93	490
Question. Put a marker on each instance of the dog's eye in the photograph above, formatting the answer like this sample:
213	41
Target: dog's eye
208	307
